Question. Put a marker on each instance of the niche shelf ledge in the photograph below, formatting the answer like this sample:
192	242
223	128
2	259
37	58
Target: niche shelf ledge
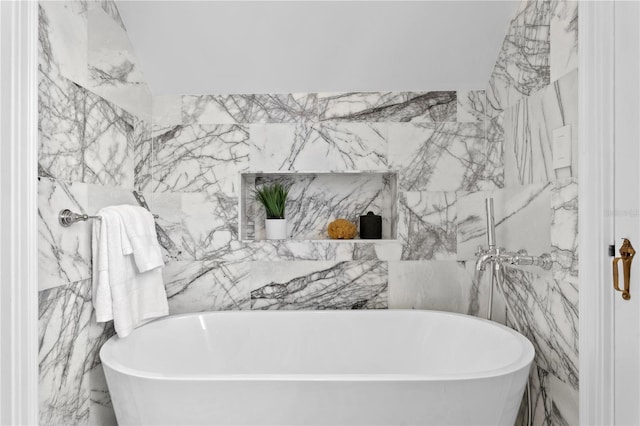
318	197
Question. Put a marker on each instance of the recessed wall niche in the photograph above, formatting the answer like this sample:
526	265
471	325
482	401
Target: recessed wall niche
317	198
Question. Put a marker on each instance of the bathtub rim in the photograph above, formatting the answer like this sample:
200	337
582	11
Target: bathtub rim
523	361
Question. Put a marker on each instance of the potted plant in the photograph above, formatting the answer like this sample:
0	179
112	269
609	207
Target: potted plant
273	198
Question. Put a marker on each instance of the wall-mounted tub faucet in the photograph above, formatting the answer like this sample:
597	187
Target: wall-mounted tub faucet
519	258
494	254
498	257
490	254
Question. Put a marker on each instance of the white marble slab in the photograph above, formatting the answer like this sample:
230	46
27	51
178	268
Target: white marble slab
114	71
63	323
426	107
540	399
565	400
194	286
427	225
322	147
552	404
246	109
103	196
550	320
430	285
563	57
526	219
143	154
194	158
529	126
100	409
564	228
522	67
204	226
167	110
319	285
444	157
83	138
64	254
63	39
110	8
522	217
471	106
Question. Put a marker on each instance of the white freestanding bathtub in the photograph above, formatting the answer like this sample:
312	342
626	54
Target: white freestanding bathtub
382	367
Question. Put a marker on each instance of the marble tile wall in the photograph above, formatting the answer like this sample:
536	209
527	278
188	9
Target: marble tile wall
200	145
91	131
103	136
532	92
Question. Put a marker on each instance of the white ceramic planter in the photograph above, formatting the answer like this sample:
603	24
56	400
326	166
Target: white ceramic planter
276	229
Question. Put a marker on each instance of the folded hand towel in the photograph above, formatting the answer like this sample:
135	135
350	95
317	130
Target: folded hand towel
139	237
101	296
120	291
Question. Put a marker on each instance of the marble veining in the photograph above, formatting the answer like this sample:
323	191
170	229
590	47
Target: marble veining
194	158
62	24
523	62
142	154
83	138
114	72
471	106
202	227
290	250
111	9
196	226
64	255
247	109
532	92
101	409
550	320
194	286
564	228
529	129
319	285
563	56
327	146
552	403
427	225
540	400
63	324
388	107
444	157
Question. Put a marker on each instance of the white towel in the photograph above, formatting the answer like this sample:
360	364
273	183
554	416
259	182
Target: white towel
120	291
139	237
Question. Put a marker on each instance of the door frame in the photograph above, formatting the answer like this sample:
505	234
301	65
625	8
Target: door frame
18	212
596	136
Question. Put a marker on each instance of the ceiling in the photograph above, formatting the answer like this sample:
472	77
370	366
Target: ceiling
242	47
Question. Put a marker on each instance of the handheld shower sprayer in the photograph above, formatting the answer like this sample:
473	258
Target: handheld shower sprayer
491	226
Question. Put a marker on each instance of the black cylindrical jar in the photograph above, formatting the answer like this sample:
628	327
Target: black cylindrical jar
371	226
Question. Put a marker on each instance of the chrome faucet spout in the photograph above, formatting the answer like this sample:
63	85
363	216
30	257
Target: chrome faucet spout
482	261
